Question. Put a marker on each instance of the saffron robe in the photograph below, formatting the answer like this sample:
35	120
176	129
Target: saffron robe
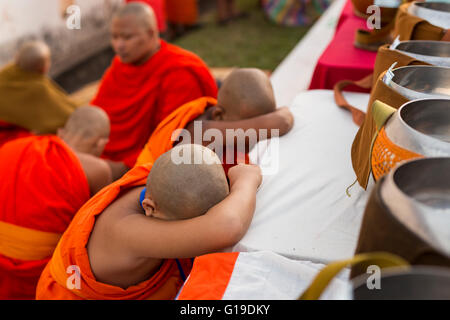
43	186
71	251
162	140
138	98
10	132
182	12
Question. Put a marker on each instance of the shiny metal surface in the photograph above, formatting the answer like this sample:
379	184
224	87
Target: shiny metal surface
422	126
420	82
417	192
436	13
418	283
433	52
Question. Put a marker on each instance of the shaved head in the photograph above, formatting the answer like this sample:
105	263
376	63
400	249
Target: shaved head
246	93
88	122
184	191
142	13
86	130
33	56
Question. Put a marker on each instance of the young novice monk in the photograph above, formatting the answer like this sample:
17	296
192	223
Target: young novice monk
44	181
131	242
245	101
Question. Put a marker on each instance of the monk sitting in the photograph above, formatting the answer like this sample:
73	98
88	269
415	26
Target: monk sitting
131	242
246	101
29	99
148	79
10	132
44	181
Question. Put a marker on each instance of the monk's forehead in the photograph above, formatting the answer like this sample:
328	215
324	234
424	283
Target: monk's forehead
129	22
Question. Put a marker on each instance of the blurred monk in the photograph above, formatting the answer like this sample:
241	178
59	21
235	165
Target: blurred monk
182	16
29	99
147	80
182	12
45	180
227	11
135	239
246	101
159	9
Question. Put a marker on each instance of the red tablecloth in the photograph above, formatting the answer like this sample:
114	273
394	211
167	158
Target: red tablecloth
341	60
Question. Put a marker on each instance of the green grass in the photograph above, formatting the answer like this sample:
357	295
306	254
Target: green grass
249	42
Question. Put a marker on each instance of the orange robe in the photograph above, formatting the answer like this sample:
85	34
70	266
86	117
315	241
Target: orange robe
138	98
10	132
161	139
182	12
71	251
42	187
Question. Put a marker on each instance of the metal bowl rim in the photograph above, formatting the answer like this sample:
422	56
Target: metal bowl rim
403	122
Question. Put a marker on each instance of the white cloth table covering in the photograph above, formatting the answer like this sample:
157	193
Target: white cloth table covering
303	212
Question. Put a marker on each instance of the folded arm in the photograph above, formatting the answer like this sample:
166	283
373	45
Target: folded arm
222	226
280	120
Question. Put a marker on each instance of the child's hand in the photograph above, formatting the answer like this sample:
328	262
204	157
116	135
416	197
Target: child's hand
245	174
287	120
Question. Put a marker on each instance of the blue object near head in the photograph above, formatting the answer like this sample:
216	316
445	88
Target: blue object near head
142	197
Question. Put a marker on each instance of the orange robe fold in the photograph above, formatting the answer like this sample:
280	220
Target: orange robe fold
71	251
43	186
161	140
138	98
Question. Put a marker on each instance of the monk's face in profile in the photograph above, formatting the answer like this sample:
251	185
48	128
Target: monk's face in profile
132	41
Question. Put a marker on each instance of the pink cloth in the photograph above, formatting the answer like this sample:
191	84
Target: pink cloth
341	60
159	9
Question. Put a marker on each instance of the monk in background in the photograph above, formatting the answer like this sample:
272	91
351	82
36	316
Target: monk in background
227	11
135	239
30	102
148	79
182	16
159	8
44	181
246	101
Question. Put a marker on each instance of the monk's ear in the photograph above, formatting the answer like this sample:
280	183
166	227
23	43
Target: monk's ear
101	143
149	207
218	113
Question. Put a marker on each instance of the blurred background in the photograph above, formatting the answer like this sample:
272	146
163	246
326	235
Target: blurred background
261	36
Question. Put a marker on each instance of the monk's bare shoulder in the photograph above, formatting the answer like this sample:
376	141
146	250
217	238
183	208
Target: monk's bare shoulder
112	262
98	172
